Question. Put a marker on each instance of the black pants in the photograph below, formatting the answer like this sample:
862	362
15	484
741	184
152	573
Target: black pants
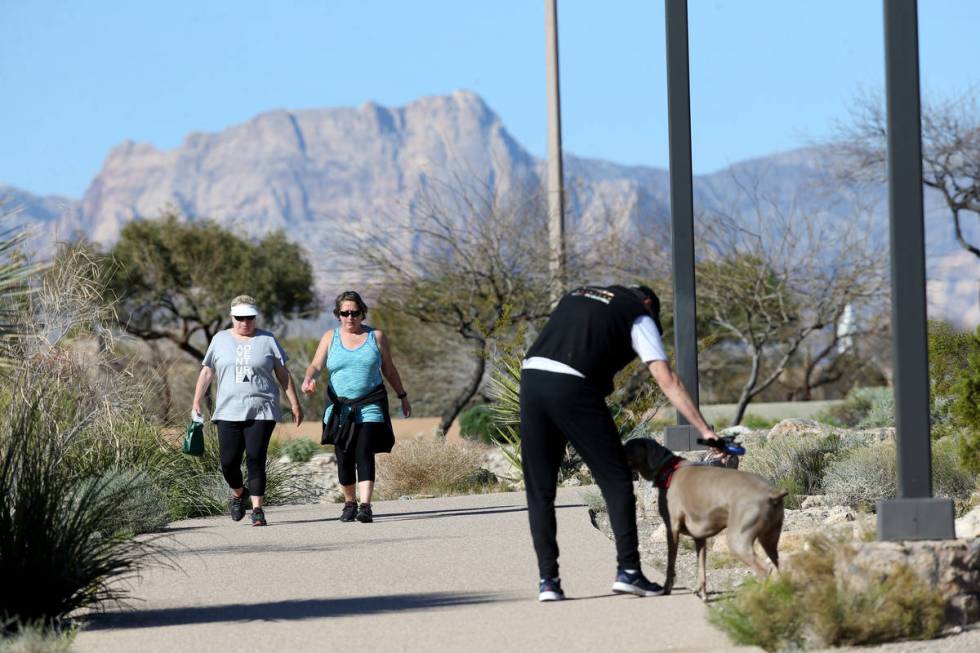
359	456
251	438
560	408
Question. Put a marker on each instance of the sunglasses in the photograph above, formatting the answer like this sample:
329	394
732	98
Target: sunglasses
244	318
349	313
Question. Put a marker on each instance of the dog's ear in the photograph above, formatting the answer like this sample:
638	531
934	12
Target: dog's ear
636	457
657	456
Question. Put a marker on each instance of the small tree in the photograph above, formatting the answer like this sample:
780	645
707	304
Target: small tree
950	153
774	279
468	257
174	279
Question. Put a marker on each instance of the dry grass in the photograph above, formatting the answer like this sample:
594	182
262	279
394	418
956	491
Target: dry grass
431	467
808	606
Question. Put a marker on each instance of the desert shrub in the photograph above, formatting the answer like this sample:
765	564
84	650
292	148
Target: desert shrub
764	614
968	450
858	405
806	605
436	467
299	450
477	423
796	464
756	422
862	476
143	507
55	532
33	638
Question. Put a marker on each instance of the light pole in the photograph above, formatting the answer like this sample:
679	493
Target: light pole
681	437
556	189
915	514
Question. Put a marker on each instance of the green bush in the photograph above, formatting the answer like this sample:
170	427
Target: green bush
806	605
477	423
299	450
858	405
968	450
757	422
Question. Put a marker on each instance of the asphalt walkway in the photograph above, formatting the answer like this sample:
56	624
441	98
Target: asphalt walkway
449	574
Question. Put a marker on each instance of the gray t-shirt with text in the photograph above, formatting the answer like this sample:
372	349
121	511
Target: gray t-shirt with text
247	386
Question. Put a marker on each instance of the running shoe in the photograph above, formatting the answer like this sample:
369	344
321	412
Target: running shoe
258	517
364	514
239	504
350	509
550	590
635	583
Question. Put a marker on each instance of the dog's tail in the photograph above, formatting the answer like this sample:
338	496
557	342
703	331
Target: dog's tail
776	495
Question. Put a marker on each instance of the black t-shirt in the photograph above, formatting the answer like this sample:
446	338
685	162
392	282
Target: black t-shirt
589	331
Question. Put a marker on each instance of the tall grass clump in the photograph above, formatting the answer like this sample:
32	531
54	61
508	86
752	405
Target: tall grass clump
436	467
68	537
807	606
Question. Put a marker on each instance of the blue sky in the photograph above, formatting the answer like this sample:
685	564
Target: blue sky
78	77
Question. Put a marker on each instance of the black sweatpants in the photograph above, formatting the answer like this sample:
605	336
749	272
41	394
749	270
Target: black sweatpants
559	408
359	456
251	438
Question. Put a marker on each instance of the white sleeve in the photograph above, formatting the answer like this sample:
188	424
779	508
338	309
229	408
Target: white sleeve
646	340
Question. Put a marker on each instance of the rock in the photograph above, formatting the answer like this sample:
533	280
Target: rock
737	430
796	427
814	501
969	524
571	482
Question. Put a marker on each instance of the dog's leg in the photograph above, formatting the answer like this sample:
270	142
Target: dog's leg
741	547
673	535
770	544
701	547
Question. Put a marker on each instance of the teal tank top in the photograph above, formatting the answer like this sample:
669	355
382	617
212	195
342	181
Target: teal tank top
354	373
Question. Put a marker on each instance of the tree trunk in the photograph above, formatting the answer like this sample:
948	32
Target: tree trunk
464	396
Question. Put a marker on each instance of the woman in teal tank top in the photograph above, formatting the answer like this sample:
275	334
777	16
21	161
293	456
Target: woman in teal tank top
357	356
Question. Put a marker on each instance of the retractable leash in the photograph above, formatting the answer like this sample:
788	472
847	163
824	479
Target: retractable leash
725	444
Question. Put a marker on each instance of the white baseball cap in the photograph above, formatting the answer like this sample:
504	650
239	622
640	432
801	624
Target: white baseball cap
244	310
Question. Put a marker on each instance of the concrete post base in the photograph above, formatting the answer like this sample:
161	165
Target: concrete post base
924	518
682	438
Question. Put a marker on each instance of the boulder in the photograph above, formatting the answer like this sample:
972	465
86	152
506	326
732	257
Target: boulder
795	427
969	524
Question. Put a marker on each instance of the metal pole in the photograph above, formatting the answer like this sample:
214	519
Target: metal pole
681	213
914	515
556	190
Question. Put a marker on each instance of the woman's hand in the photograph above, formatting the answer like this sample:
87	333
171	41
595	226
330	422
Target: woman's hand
406	408
309	386
297	411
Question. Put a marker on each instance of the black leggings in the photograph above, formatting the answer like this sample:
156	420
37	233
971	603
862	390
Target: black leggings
251	438
359	455
556	407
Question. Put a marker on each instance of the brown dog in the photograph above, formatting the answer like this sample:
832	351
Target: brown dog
701	501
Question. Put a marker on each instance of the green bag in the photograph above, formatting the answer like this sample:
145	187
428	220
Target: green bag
194	439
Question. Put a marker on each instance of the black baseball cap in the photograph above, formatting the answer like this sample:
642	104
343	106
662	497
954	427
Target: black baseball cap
645	292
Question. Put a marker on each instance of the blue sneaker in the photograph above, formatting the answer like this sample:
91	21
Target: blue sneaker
550	590
635	583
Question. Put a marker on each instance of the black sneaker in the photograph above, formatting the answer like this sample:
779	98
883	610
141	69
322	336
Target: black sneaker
350	509
635	583
258	517
550	590
239	504
364	514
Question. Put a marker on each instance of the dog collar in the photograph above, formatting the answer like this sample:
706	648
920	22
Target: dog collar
666	472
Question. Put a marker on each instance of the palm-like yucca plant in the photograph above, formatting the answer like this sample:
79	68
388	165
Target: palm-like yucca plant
55	533
16	273
505	390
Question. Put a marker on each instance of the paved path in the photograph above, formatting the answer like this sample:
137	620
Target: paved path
452	574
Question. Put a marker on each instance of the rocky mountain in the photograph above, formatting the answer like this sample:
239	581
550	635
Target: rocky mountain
321	174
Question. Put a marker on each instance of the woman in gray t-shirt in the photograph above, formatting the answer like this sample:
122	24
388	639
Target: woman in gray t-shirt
248	363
